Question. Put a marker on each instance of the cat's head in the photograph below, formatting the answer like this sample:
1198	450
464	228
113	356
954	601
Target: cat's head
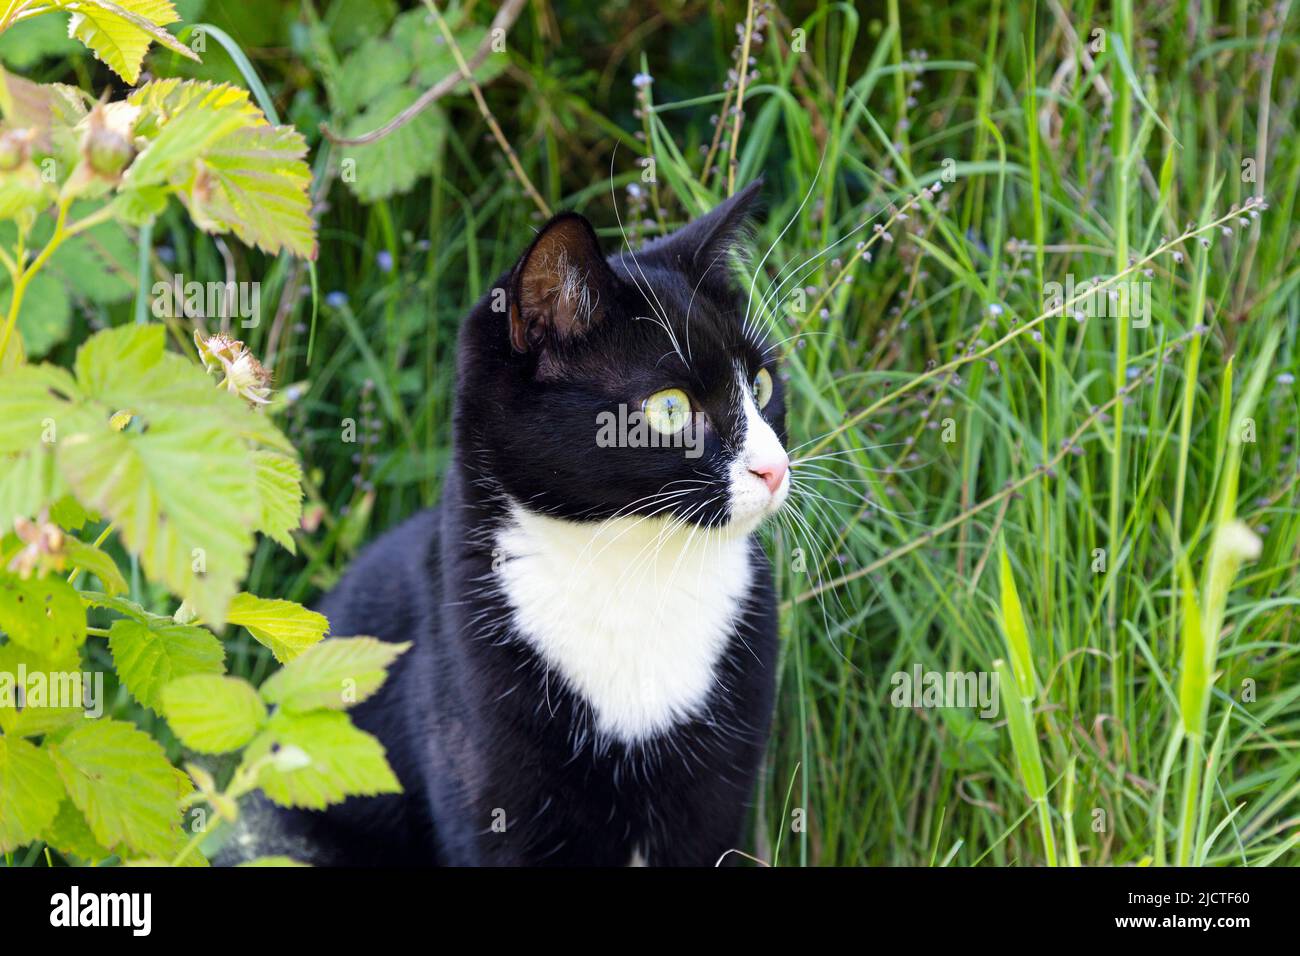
635	385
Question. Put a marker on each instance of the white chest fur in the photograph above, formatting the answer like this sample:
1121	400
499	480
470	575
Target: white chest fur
633	615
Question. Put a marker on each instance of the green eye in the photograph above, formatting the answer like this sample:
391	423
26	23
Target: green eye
667	411
763	387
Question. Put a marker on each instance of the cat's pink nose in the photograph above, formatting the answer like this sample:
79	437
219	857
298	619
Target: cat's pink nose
772	471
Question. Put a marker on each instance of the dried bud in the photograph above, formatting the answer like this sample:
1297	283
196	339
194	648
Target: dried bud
42	549
14	147
107	146
242	373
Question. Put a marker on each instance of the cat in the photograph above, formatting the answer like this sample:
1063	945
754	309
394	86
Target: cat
593	622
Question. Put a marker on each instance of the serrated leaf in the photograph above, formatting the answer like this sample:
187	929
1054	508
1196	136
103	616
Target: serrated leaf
32	399
98	265
117	358
334	674
30	791
94	561
119	33
254	183
68	514
393	164
286	628
380	64
181	493
344	761
213	715
120	779
39	684
279	488
189	119
28	483
433	57
43	615
70	834
148	658
232	169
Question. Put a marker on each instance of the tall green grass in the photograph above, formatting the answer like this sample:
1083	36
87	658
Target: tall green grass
939	404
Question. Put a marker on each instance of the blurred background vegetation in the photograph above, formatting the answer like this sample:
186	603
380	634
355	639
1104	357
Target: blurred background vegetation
1077	139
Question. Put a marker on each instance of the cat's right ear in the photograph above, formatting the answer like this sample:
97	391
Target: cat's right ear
561	286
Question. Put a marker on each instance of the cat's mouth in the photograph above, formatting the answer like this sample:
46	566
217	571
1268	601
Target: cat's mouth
759	487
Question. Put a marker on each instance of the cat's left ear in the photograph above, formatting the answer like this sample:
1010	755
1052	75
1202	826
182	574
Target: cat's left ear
560	286
702	245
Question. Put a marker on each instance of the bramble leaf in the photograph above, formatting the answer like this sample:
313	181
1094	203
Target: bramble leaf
89	558
119	33
120	779
334	674
30	792
286	628
279	487
70	834
344	761
213	714
43	615
393	164
148	658
181	493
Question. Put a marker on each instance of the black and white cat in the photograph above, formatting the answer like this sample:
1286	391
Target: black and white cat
593	622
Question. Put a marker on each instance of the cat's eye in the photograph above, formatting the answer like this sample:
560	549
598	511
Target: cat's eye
667	411
763	387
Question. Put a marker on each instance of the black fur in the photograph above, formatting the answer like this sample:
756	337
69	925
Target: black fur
472	723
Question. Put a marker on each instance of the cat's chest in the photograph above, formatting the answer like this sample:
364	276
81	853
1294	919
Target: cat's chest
633	616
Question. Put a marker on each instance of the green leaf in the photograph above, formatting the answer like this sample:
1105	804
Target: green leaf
120	779
30	791
70	834
334	674
28	483
46	315
181	493
89	558
279	487
191	118
1013	626
213	715
98	265
33	398
119	33
233	170
344	761
286	628
149	658
393	164
44	683
378	66
28	42
115	358
43	615
433	58
254	183
68	514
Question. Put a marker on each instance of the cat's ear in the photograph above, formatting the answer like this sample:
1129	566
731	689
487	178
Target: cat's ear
702	246
560	286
